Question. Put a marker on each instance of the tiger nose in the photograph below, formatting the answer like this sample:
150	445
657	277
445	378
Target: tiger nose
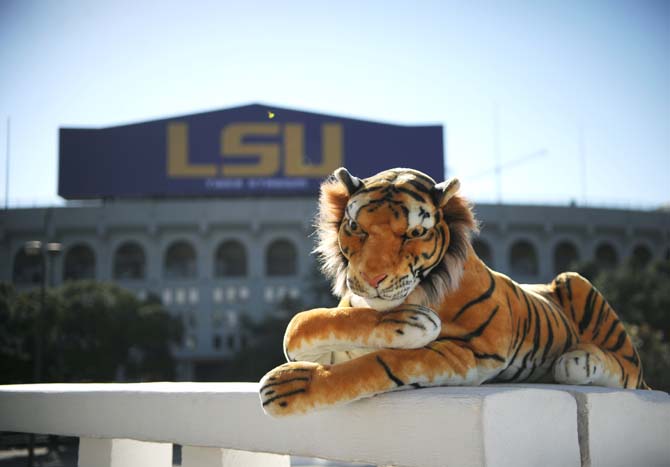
374	281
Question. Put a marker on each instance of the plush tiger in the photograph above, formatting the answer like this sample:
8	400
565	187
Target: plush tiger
419	308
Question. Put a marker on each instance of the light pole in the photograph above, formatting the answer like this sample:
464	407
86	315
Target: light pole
45	252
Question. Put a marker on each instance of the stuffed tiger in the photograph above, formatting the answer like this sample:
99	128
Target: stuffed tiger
419	308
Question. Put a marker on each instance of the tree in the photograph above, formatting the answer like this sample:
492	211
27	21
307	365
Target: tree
15	340
91	332
265	349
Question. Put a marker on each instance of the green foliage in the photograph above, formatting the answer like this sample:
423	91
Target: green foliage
654	349
263	354
90	331
15	340
641	297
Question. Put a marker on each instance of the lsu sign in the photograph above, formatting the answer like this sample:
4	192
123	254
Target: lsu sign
260	159
252	150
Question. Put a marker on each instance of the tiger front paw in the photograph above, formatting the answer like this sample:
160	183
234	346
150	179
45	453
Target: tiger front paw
285	390
407	327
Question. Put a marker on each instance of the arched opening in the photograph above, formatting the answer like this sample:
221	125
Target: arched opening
641	256
281	259
79	263
230	260
523	259
606	256
129	261
483	251
27	268
565	257
180	261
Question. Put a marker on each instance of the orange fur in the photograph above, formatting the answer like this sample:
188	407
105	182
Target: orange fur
438	315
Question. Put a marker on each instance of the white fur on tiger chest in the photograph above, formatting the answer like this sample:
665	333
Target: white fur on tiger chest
336	356
375	303
384	305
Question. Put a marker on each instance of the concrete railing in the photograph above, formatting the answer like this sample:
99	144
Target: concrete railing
134	425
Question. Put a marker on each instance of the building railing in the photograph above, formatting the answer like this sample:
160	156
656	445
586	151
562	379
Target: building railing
222	424
545	200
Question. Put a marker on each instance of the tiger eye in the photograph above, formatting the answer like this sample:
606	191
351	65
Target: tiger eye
415	233
353	225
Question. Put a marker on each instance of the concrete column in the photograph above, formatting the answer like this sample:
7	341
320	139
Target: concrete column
123	453
545	257
6	259
192	456
56	272
154	254
103	255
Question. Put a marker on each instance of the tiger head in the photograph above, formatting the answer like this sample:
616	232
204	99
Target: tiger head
395	233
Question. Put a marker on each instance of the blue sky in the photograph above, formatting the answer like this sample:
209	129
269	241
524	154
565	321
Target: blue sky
546	69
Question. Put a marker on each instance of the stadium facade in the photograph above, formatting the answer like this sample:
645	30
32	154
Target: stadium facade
213	214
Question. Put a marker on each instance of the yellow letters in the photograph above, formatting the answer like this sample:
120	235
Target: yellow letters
257	159
233	145
178	165
297	166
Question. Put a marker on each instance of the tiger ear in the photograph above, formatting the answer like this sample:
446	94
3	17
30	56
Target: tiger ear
445	190
352	183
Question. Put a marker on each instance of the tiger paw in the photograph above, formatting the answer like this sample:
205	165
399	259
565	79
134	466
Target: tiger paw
407	327
286	389
577	367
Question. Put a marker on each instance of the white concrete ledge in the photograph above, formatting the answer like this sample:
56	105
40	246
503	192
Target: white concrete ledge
624	428
492	425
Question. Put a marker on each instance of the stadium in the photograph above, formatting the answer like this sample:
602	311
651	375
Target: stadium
213	213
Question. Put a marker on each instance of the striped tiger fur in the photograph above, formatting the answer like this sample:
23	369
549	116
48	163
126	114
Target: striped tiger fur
419	308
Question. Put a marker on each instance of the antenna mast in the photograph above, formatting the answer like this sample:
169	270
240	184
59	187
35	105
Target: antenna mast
582	162
7	169
496	152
